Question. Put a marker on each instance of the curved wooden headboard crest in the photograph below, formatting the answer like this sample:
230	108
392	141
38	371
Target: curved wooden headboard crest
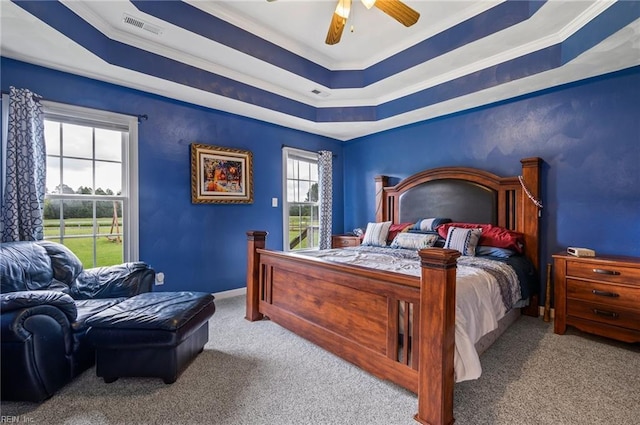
482	196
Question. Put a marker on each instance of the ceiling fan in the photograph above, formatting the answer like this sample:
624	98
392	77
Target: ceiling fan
394	8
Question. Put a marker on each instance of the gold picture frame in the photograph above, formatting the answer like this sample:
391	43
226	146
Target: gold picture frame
221	175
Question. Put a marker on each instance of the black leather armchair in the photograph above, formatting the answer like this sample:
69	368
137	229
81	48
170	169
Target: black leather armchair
46	298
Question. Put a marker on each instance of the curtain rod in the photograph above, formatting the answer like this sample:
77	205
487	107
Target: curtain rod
139	116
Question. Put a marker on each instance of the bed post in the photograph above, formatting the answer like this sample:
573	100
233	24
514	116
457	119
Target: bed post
256	239
437	336
531	221
531	212
381	202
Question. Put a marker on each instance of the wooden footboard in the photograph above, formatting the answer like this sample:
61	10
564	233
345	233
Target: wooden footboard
357	313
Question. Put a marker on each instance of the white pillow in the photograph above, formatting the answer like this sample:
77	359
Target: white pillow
376	234
463	240
414	240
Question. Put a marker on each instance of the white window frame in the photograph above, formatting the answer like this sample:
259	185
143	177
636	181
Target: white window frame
286	152
129	193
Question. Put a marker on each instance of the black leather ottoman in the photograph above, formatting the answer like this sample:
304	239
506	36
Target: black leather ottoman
154	334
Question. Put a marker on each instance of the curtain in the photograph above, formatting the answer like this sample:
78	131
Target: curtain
326	197
25	169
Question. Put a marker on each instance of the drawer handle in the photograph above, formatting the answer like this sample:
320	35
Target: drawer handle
605	293
609	314
609	272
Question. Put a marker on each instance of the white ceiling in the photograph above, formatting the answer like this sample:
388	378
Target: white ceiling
300	27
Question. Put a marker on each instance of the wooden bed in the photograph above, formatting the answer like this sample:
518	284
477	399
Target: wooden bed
356	313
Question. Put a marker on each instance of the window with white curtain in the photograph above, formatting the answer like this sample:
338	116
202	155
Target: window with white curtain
91	201
301	202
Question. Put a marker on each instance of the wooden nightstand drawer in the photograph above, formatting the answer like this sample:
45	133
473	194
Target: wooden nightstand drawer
344	241
604	313
604	271
600	295
614	295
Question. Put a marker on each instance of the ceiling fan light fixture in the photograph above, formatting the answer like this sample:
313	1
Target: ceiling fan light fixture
343	8
368	3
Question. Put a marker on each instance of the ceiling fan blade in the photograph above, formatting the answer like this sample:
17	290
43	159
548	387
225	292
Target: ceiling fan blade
338	21
398	11
335	29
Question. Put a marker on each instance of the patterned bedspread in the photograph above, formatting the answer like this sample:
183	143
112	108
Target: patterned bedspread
407	261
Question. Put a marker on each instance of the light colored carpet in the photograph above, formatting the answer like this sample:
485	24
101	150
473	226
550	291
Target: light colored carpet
261	374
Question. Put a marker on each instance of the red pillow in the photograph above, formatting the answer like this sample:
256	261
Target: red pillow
491	235
395	229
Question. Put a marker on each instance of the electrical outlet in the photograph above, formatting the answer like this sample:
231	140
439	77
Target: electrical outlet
159	278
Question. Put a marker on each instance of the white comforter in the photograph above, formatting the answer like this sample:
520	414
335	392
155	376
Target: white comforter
479	303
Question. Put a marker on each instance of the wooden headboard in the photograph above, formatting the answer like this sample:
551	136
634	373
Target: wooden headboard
467	195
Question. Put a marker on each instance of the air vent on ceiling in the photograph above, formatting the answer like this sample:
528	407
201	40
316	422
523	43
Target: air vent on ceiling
138	23
320	93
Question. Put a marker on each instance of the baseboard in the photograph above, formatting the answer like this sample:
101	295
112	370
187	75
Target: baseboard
541	312
230	293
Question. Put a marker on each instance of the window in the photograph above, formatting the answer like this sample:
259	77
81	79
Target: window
91	201
301	206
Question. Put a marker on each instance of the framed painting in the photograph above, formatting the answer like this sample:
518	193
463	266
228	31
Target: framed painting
221	175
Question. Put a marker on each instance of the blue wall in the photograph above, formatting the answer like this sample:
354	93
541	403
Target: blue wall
588	135
198	247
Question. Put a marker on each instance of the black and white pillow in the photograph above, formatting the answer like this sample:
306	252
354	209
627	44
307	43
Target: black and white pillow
429	224
463	240
376	234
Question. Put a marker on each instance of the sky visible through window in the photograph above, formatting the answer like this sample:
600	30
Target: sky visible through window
301	175
80	155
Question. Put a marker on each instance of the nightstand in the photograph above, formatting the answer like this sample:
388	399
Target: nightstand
343	241
599	295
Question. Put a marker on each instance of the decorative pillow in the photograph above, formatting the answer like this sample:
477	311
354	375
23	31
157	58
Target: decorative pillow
439	242
491	235
503	238
394	229
494	251
376	234
430	224
463	240
414	240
